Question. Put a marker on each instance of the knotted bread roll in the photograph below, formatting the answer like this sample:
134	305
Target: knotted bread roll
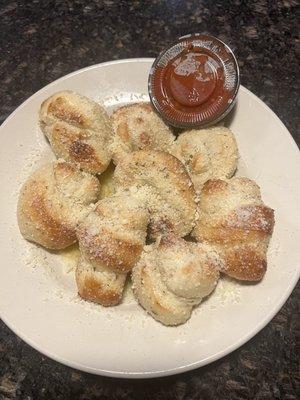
172	276
207	153
52	202
169	192
114	233
100	285
234	219
137	127
111	239
78	129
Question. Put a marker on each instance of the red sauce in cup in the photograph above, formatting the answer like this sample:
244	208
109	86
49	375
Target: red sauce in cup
194	83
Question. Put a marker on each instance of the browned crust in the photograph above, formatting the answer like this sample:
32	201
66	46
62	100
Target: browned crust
123	131
122	128
62	132
257	218
77	130
91	289
245	264
254	226
218	186
242	236
222	235
81	152
64	167
213	186
50	232
123	110
104	249
73	142
241	260
61	110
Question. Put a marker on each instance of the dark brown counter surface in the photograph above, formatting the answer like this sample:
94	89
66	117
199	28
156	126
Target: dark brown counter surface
41	41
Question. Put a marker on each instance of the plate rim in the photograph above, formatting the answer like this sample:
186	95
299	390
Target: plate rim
188	367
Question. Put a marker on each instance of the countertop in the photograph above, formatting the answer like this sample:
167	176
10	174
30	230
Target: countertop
44	40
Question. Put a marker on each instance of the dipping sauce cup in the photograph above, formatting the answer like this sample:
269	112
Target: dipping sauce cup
194	82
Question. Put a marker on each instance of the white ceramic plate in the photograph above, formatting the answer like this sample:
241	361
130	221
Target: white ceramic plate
38	298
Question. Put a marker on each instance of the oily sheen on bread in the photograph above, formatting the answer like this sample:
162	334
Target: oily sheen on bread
52	201
100	285
168	189
234	219
207	153
78	129
172	276
138	127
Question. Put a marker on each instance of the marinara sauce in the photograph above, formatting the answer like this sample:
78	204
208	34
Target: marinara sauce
194	83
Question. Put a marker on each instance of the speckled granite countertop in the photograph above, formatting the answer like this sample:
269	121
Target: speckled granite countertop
43	40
